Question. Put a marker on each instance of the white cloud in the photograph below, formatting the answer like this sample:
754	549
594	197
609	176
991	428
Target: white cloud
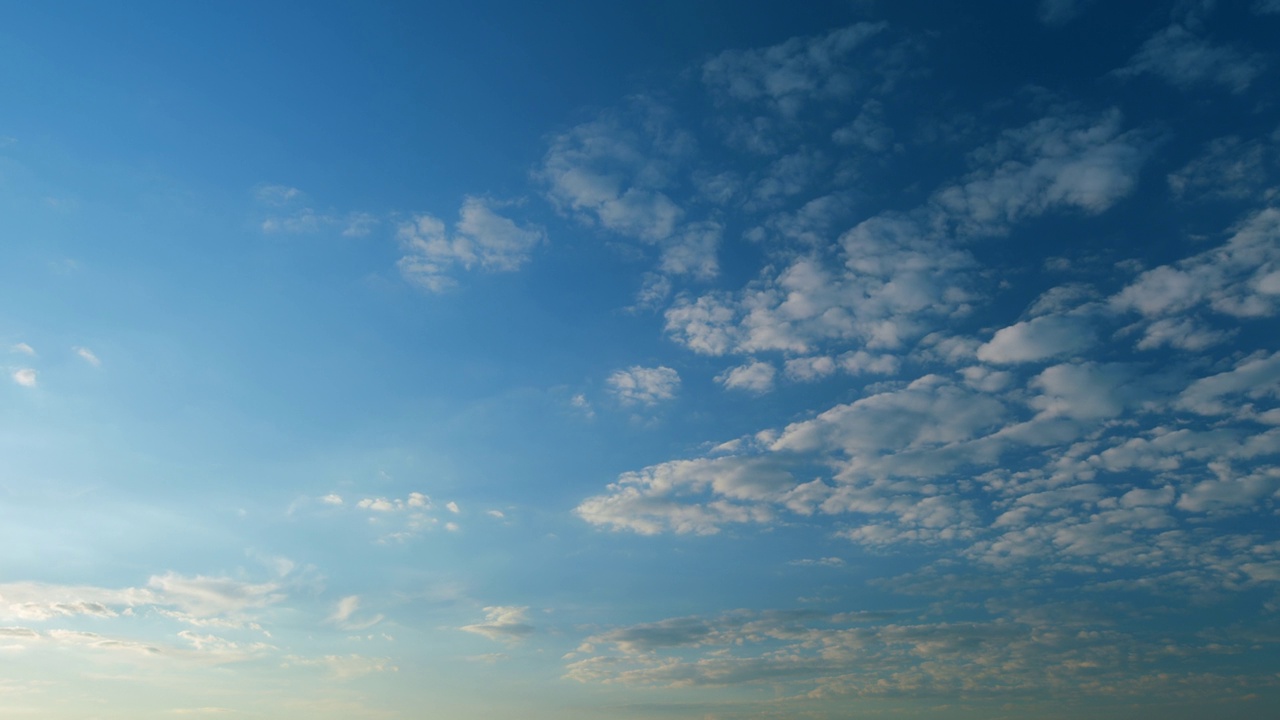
1037	339
87	355
893	279
822	562
797	71
1057	162
38	601
756	377
300	222
415	500
204	597
1181	58
23	349
612	171
343	615
482	239
690	496
277	194
644	385
332	499
502	622
196	600
1228	168
25	377
815	657
1181	332
1240	278
1086	391
807	369
1256	377
581	402
452	507
868	130
1061	12
692	250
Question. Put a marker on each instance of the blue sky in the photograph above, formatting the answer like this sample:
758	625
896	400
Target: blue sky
650	360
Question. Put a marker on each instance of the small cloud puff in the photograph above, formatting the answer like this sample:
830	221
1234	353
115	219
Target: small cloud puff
26	377
23	349
87	355
502	622
756	377
642	385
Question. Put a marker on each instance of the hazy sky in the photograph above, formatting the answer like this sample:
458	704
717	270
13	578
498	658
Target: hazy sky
695	360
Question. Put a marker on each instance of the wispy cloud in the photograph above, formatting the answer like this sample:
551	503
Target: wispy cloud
1182	58
87	355
502	622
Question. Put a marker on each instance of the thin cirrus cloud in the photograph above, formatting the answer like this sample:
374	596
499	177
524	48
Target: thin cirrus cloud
1180	57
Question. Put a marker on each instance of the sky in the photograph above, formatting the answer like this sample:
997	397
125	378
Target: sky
648	360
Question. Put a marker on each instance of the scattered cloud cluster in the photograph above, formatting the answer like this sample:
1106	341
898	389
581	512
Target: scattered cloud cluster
481	239
402	519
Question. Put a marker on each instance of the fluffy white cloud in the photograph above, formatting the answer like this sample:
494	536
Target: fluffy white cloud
502	622
612	171
482	239
25	377
1037	339
1181	58
23	349
892	280
1058	162
644	385
1240	278
1086	391
1256	377
754	377
690	496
